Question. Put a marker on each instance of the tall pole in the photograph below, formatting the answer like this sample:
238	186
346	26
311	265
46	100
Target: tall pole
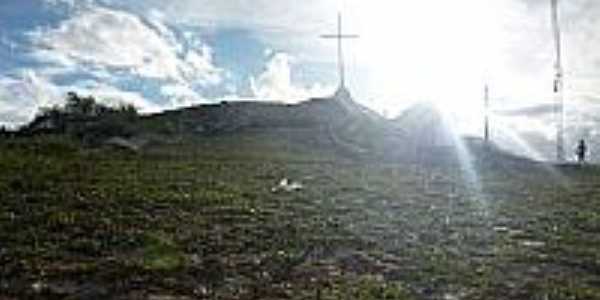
340	36
558	86
341	53
486	126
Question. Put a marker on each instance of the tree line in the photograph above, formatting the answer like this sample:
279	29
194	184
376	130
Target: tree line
82	117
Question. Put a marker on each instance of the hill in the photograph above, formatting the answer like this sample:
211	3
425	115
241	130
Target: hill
310	201
336	121
280	213
337	124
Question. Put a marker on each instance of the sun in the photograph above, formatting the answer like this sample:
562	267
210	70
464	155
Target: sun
427	50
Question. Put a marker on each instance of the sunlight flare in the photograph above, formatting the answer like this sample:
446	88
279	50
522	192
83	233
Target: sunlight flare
427	50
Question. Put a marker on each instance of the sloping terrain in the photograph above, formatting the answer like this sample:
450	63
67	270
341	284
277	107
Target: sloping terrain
279	214
337	120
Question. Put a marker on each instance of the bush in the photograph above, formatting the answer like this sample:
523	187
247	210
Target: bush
84	118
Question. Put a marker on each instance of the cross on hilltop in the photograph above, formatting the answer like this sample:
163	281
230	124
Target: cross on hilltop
340	36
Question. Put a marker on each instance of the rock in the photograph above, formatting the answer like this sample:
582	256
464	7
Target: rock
449	296
38	287
533	244
125	144
287	185
501	229
167	297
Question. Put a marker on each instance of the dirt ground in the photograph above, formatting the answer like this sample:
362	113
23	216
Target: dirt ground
216	221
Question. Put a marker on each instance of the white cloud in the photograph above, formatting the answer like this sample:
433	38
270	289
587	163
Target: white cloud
21	98
106	38
275	83
181	96
283	24
282	15
70	3
112	96
199	67
423	39
10	113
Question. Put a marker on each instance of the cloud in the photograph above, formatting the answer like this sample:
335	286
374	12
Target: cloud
104	38
32	88
11	114
282	15
181	95
70	3
407	49
530	111
21	97
285	25
118	56
275	83
112	96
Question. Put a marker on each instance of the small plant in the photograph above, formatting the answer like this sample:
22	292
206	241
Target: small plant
366	287
160	252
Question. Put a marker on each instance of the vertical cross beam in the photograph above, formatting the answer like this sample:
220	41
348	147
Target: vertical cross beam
340	36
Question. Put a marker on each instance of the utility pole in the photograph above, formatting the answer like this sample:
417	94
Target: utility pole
486	104
558	86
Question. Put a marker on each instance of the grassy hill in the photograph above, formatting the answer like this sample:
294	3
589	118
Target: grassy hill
209	218
321	208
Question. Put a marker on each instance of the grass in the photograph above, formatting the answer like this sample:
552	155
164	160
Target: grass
199	219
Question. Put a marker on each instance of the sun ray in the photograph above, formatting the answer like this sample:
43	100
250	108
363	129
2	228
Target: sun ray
515	138
469	174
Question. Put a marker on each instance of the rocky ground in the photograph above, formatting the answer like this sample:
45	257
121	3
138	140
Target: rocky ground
251	218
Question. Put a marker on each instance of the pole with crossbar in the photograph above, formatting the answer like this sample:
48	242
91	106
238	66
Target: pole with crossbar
340	36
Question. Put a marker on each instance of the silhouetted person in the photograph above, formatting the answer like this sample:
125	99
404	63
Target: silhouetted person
581	151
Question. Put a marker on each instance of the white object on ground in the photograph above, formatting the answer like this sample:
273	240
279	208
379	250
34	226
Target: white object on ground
287	185
123	143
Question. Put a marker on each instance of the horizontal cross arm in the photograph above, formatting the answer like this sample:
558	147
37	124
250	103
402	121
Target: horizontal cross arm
340	36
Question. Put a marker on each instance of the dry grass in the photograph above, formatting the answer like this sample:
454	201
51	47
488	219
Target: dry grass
200	220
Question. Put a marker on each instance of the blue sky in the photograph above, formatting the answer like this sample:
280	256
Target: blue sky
140	52
166	54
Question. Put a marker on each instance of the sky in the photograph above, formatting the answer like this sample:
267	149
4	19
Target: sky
162	55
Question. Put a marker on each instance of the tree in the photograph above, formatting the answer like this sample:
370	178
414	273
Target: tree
73	103
84	118
129	111
80	106
89	107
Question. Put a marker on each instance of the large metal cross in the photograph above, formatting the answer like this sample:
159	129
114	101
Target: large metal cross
340	36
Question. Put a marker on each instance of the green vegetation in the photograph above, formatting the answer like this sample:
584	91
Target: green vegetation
199	218
84	118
